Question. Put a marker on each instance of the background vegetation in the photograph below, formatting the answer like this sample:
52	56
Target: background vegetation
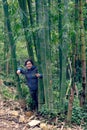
54	34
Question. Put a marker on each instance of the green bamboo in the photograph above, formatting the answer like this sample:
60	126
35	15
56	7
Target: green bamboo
42	45
38	40
25	23
83	55
74	57
32	22
6	50
64	47
12	44
60	40
48	56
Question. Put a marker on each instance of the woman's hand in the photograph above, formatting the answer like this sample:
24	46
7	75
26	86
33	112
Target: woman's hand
37	75
18	71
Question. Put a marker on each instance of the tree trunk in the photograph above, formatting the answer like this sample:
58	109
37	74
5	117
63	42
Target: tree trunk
12	44
72	90
60	41
74	58
48	56
83	56
32	22
49	10
38	40
70	104
24	20
42	45
64	48
6	50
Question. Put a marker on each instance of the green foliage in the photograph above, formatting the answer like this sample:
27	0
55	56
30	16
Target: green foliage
8	80
84	115
51	114
1	55
29	102
25	90
61	116
27	97
79	116
21	50
7	93
45	112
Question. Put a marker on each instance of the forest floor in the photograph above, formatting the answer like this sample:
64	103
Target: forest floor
13	117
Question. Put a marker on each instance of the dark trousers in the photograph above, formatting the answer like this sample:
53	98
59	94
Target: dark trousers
34	96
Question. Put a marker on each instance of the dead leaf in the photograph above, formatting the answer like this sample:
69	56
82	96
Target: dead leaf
2	112
43	126
34	123
36	128
21	119
69	128
29	113
14	113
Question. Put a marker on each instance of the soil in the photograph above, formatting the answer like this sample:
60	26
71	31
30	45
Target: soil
13	117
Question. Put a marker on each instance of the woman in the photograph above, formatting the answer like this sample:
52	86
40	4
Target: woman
31	75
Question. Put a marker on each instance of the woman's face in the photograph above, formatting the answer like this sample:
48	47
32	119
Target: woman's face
29	65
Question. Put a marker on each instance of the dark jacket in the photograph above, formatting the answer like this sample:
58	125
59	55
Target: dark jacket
31	79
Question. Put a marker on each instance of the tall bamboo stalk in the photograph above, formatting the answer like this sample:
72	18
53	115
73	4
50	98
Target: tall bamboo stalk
32	22
12	44
64	48
83	55
60	40
74	58
25	23
48	56
40	51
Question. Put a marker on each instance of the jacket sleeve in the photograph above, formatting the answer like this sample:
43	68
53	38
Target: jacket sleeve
41	76
34	76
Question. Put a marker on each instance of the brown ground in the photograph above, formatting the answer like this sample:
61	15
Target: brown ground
12	117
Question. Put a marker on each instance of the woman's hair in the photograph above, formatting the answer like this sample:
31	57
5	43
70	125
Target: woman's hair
27	61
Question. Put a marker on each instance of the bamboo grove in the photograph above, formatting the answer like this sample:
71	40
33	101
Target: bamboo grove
54	34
